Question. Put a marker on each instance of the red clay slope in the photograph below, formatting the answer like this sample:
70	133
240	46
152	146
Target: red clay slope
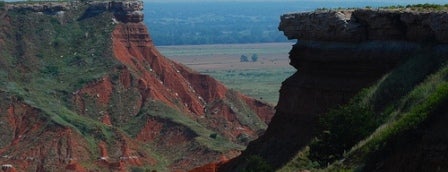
127	117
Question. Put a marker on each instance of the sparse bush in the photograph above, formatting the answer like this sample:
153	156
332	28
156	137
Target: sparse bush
427	6
213	135
343	128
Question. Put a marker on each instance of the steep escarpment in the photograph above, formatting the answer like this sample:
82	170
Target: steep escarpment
338	54
83	88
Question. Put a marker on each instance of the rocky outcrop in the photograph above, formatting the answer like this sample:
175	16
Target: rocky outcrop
124	11
366	24
337	54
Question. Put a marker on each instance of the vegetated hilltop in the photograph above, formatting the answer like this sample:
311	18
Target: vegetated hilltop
370	94
84	89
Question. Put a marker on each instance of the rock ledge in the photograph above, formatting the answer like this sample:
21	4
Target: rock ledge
366	24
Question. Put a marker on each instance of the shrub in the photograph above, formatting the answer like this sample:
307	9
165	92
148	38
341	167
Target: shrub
213	135
343	128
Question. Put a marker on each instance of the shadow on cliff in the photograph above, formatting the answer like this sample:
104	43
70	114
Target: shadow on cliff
92	11
402	81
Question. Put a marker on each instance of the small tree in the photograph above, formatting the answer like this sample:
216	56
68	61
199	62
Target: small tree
254	57
244	58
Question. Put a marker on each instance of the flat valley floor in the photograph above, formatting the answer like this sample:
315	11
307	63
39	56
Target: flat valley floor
260	79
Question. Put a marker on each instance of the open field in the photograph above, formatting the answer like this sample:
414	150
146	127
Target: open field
261	79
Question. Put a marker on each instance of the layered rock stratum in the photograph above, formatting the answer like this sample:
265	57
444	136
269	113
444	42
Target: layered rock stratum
83	88
338	53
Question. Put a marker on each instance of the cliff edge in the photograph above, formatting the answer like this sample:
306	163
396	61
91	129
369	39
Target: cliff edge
338	54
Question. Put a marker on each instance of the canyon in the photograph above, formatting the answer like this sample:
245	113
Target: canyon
83	88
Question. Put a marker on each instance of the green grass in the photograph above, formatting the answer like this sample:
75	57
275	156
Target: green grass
260	80
262	84
426	7
420	7
48	58
398	102
44	78
414	109
220	49
158	109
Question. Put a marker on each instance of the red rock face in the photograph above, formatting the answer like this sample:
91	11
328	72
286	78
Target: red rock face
33	144
170	82
153	77
113	123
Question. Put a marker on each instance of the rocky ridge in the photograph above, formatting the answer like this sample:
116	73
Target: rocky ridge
337	54
124	11
366	24
112	102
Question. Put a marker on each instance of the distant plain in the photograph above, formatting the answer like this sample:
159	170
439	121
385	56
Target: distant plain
261	79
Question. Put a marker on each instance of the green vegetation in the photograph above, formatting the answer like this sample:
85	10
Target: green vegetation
245	115
343	128
186	23
45	78
399	102
163	111
222	63
414	108
244	58
253	58
268	81
420	7
413	7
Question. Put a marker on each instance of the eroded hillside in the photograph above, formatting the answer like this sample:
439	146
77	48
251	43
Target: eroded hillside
83	89
368	94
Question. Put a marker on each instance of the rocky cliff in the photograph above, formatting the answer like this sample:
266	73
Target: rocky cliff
83	88
337	54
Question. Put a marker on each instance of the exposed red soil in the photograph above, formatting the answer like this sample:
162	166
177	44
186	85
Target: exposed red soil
212	167
75	167
44	144
36	142
100	91
106	120
263	110
162	79
150	131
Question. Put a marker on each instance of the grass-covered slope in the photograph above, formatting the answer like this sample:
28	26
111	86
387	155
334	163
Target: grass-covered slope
396	124
82	91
